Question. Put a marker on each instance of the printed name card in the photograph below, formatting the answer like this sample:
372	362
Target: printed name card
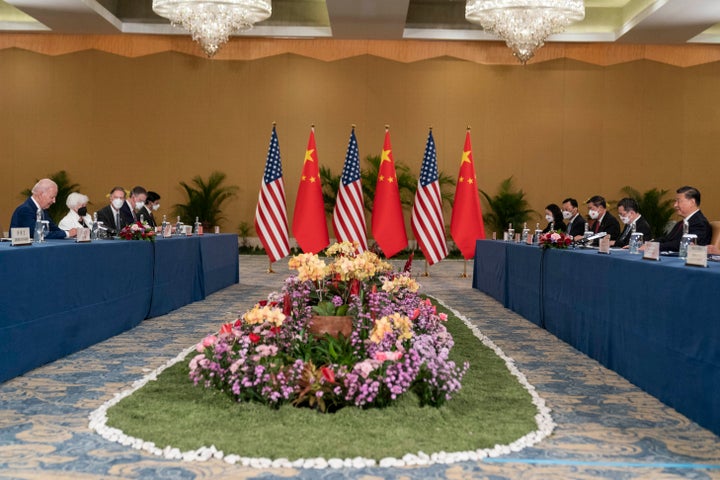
20	236
83	235
652	251
188	230
167	232
604	245
200	229
696	256
529	240
494	235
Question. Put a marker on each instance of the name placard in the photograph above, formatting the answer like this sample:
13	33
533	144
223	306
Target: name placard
188	230
652	251
83	235
604	245
20	236
529	240
167	233
696	256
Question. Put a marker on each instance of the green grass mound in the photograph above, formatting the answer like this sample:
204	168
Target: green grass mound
491	408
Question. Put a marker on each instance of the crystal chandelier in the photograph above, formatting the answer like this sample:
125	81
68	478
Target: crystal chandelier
211	22
524	24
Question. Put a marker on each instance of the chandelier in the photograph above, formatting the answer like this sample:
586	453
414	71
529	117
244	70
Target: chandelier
524	24
211	22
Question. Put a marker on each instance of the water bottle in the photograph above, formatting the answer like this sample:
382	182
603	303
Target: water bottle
39	234
511	233
94	229
164	224
178	227
142	218
196	226
587	232
636	241
538	232
525	233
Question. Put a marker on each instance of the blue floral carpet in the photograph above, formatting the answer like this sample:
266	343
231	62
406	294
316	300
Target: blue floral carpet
606	427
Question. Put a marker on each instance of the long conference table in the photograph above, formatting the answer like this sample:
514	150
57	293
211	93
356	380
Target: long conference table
656	323
59	297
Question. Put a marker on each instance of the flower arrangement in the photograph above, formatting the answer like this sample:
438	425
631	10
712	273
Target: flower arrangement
137	231
398	342
553	239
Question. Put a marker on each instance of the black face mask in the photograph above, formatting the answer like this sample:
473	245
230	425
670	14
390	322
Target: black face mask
82	211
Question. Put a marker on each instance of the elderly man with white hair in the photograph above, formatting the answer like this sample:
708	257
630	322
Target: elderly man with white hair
43	195
77	216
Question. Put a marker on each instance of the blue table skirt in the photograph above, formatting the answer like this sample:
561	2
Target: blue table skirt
655	323
60	297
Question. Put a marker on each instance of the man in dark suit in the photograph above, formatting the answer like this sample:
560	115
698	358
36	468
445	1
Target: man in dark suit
152	203
687	204
25	215
133	204
111	215
603	220
629	215
576	223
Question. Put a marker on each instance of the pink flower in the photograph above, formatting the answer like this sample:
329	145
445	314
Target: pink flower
415	314
443	317
209	341
226	328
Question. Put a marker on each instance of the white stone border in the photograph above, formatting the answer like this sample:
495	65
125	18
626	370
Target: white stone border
546	425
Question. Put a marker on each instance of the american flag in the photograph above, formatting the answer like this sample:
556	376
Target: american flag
349	212
271	212
427	218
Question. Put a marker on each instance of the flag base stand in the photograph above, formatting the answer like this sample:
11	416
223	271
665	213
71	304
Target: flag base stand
464	274
270	270
426	273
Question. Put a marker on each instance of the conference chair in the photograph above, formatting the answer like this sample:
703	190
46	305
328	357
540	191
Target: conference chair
715	234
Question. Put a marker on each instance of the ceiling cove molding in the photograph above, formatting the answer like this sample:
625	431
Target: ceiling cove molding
329	50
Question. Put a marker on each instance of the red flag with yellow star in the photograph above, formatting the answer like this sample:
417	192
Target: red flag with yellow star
309	225
466	224
388	224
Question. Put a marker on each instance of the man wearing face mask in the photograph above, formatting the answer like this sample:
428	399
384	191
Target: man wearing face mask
603	221
629	215
77	216
152	204
134	204
576	224
110	215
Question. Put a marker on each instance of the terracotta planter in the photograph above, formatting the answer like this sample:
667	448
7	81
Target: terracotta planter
320	325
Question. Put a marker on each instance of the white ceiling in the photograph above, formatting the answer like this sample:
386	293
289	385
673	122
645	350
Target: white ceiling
629	21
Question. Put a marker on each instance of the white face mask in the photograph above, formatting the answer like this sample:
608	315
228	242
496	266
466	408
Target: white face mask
138	206
567	215
156	206
118	203
625	219
549	218
594	214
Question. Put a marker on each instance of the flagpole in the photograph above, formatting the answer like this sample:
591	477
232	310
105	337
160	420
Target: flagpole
464	274
270	270
426	274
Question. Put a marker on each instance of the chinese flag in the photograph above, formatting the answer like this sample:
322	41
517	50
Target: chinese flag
388	225
466	225
309	225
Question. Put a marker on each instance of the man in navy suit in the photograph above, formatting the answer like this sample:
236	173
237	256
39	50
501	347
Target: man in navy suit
25	215
687	204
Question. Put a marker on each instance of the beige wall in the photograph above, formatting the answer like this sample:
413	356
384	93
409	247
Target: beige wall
561	128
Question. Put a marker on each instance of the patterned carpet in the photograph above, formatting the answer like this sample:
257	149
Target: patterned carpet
606	427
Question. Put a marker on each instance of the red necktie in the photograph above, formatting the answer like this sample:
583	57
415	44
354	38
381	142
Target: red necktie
597	226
